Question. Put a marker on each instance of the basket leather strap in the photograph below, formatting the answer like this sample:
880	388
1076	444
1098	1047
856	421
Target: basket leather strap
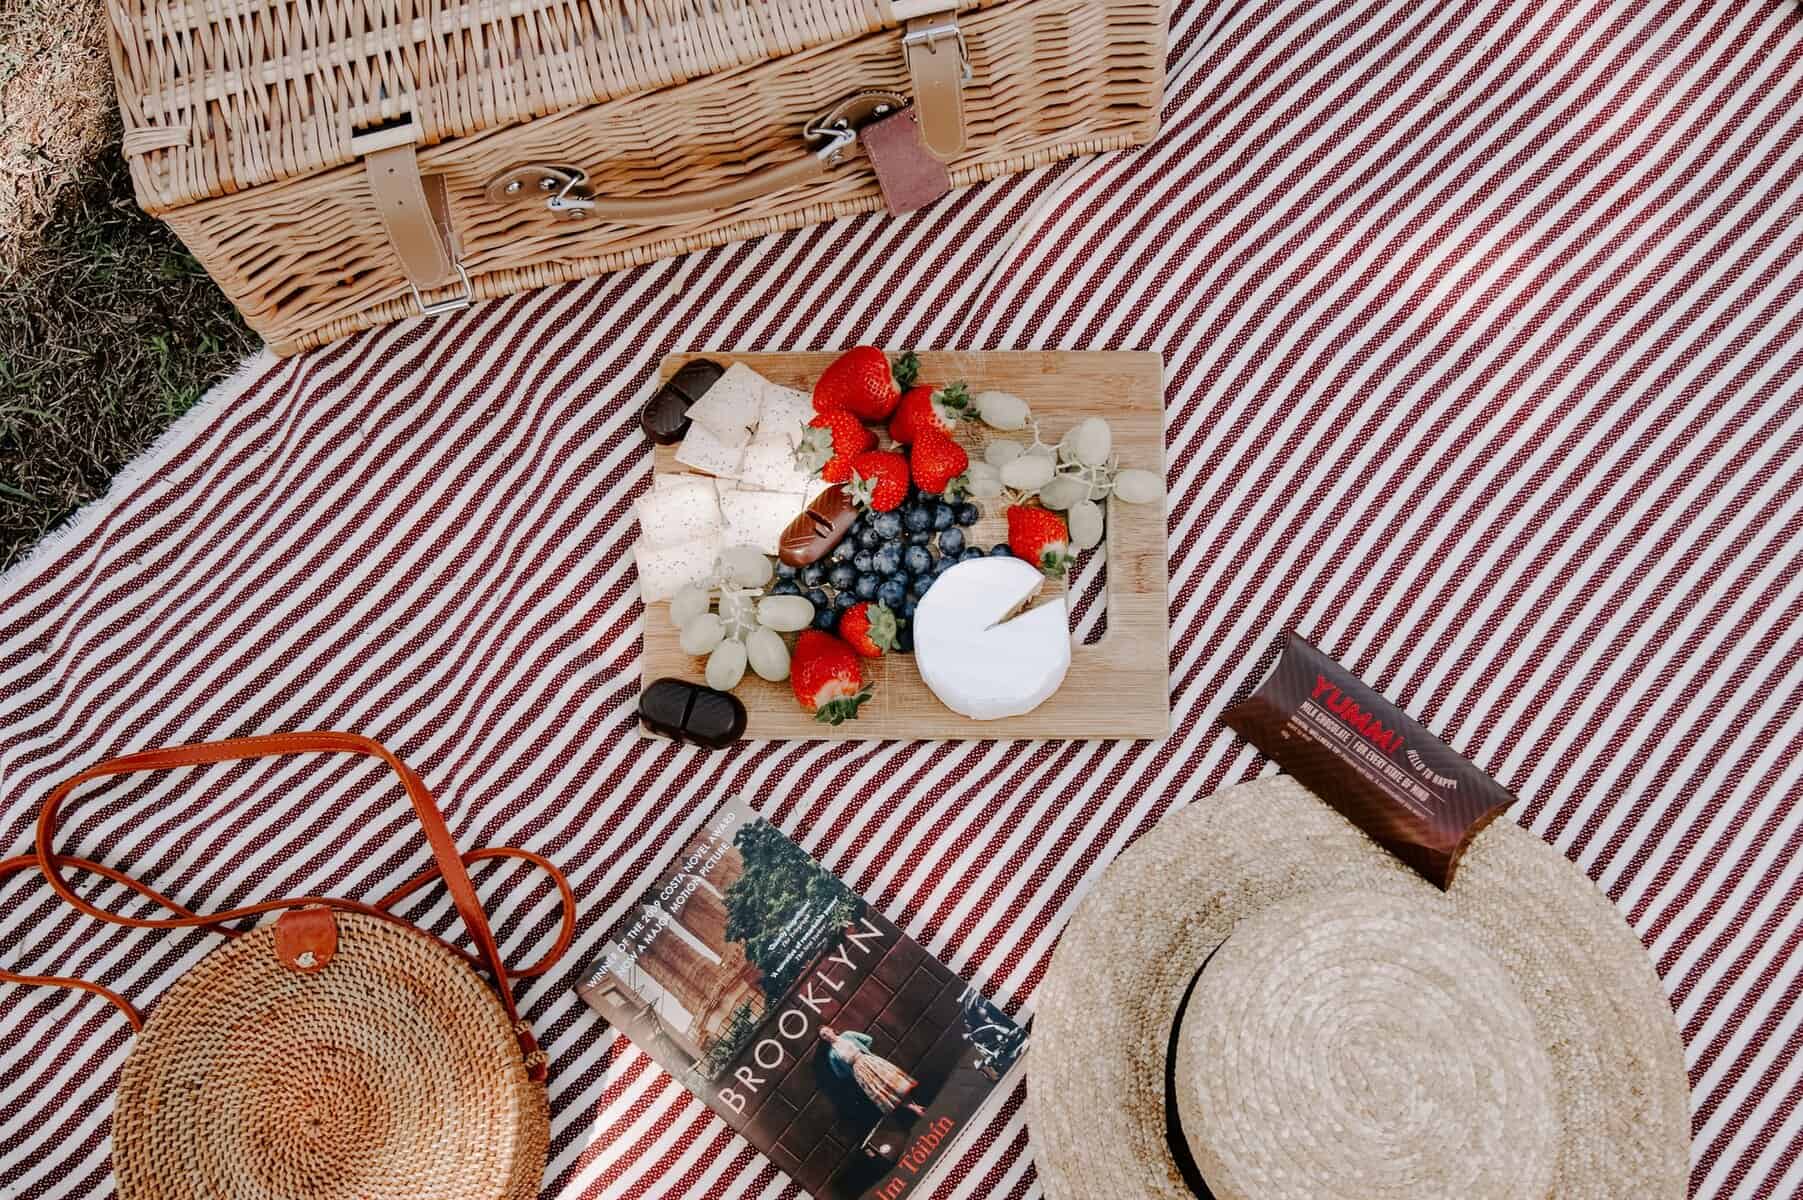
416	212
448	864
938	68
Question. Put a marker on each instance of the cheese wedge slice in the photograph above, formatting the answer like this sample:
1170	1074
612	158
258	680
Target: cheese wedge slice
672	515
730	408
769	465
784	412
665	570
702	449
676	481
978	658
759	518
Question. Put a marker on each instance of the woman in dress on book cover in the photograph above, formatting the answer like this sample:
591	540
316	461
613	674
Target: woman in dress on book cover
887	1085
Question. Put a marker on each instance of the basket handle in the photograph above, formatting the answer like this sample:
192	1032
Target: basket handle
564	192
448	864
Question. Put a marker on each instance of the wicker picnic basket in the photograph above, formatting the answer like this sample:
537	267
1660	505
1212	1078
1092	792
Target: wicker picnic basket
339	164
336	1053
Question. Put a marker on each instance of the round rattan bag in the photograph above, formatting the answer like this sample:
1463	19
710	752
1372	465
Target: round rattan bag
334	1053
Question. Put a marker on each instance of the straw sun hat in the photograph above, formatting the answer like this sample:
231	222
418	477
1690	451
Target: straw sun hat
1361	1035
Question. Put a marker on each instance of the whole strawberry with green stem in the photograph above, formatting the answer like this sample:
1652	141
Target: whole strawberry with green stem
862	382
829	443
827	678
938	463
1039	536
868	628
879	480
927	407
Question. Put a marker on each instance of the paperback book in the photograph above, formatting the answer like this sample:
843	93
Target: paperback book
815	1027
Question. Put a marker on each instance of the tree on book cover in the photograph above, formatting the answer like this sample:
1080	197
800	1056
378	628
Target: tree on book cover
814	1026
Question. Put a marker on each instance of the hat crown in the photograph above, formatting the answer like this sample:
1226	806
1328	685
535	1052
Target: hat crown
1365	1046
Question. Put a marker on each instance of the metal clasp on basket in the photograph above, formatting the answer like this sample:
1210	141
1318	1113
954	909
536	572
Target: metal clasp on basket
455	304
838	134
932	35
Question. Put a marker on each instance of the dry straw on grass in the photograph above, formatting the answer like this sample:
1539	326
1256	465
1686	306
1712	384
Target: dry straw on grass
57	115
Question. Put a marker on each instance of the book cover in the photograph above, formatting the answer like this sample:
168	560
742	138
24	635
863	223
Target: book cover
814	1026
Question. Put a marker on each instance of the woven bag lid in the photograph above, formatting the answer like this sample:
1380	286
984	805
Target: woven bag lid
392	1073
217	98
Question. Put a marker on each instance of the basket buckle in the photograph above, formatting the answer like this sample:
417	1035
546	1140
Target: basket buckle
943	31
439	308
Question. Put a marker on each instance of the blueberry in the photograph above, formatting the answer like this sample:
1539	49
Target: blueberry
842	576
966	514
917	519
951	541
888	524
892	593
785	587
843	551
920	585
856	526
843	601
886	561
818	598
860	562
918	559
923	538
869	538
1000	550
904	640
812	575
971	552
784	570
908	605
943	516
866	586
945	564
825	617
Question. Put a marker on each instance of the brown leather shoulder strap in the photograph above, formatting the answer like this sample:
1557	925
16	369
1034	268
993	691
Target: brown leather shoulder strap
449	865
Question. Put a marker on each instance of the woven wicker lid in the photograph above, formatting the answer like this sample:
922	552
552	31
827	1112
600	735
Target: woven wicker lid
393	1072
1356	1032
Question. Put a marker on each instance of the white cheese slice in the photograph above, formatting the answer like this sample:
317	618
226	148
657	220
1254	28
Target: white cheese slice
676	481
769	466
784	412
980	662
672	516
704	451
729	408
665	570
759	518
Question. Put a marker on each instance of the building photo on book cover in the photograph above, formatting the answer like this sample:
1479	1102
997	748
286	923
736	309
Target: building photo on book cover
813	1025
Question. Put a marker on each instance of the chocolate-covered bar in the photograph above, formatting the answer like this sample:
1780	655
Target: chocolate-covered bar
692	712
665	417
818	529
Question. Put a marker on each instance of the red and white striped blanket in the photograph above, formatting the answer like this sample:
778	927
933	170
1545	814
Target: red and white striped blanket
1482	324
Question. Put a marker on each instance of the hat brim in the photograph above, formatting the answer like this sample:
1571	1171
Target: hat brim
1103	1014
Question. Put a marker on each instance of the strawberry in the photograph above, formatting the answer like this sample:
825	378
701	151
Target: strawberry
859	382
938	463
868	628
1038	536
830	442
879	480
826	677
926	407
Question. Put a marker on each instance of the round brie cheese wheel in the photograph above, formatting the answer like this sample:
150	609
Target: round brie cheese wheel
976	655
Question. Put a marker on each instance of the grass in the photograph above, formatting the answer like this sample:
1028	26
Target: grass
109	331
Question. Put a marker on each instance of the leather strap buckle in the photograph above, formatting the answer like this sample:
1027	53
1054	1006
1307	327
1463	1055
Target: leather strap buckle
939	69
439	308
931	35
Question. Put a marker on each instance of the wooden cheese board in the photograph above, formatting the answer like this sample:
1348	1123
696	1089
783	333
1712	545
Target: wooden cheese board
1118	687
